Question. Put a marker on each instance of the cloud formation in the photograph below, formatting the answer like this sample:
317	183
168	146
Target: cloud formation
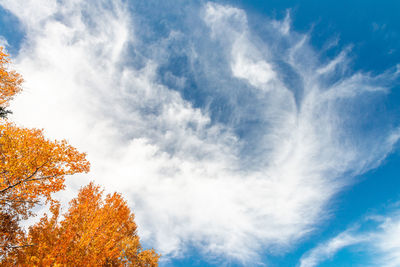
219	137
382	241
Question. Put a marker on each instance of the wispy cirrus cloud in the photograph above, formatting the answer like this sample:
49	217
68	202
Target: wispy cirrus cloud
381	242
328	249
217	137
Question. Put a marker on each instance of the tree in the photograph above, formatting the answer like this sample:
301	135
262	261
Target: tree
32	168
10	83
94	232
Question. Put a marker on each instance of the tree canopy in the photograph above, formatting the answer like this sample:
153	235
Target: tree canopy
94	231
32	167
10	83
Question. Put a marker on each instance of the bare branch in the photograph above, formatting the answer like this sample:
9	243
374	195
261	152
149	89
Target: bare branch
21	246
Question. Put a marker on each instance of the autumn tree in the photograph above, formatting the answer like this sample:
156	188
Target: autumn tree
94	232
10	83
32	168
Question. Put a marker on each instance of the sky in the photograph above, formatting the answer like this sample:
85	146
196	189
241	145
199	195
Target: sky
241	133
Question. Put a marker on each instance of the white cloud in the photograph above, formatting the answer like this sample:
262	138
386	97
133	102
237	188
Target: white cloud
258	73
328	249
230	25
189	178
3	42
387	244
381	243
283	26
38	10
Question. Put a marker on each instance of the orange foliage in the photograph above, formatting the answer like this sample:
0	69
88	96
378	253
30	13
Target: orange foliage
94	232
10	81
31	169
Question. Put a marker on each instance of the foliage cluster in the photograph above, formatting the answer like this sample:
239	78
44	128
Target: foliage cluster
95	231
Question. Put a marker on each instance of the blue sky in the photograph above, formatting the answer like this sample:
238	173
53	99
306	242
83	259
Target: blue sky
242	133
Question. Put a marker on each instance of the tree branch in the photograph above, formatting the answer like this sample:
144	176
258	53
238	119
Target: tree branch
23	180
